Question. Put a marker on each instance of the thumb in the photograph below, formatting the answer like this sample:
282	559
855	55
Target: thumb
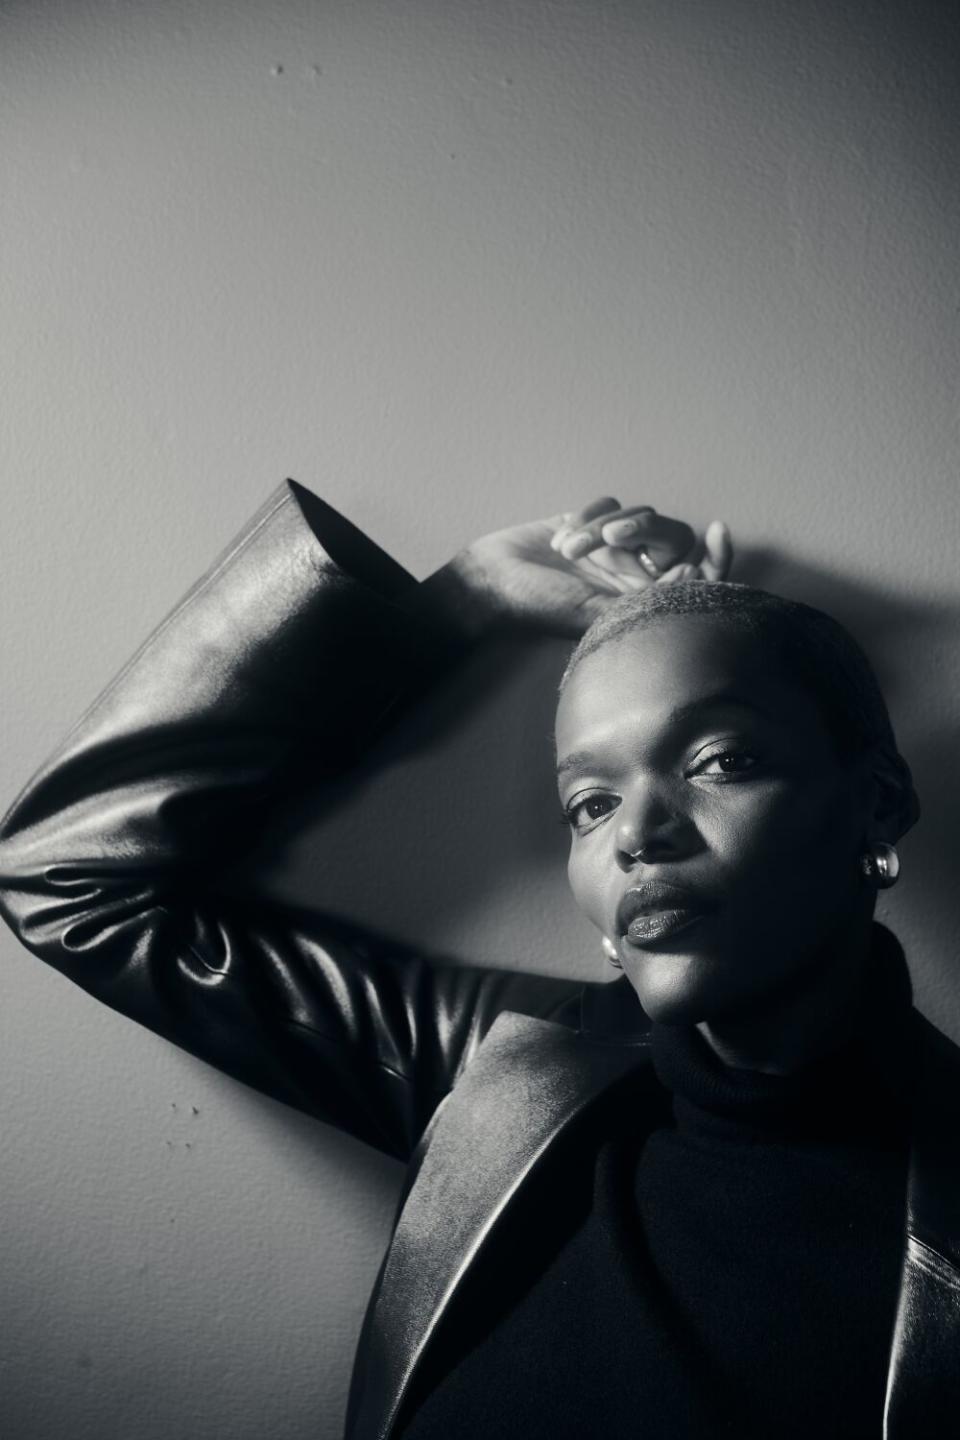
718	552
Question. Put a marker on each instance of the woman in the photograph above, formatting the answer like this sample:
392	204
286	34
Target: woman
672	1205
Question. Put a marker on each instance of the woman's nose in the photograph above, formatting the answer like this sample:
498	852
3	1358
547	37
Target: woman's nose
651	832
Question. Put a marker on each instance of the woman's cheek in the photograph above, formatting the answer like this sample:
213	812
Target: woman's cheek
785	838
589	878
753	819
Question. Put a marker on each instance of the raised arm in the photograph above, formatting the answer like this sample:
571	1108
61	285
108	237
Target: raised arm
286	659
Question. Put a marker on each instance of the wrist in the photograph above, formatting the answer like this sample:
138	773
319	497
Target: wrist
459	598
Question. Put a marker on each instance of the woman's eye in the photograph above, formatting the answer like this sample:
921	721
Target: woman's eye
727	762
582	814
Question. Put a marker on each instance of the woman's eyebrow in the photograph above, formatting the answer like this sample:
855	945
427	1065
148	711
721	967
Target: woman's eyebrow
720	700
681	715
576	760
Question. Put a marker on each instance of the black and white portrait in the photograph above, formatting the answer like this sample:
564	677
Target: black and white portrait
479	575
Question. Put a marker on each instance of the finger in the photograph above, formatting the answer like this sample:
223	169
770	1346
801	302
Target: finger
718	552
604	506
609	570
665	540
560	525
580	539
626	565
680	572
577	519
555	521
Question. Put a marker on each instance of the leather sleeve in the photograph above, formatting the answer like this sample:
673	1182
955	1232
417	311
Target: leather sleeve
284	660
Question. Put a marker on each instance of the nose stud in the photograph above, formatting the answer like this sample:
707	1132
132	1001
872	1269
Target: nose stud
639	851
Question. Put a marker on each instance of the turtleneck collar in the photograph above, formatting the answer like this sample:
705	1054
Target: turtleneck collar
858	1089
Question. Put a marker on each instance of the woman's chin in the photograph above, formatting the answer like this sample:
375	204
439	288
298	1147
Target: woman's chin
675	989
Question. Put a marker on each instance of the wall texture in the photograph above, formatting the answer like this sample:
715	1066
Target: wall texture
451	265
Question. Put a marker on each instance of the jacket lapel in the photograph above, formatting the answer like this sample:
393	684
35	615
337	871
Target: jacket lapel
526	1083
924	1377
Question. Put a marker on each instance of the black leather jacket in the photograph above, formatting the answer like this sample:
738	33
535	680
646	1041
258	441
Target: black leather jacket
108	871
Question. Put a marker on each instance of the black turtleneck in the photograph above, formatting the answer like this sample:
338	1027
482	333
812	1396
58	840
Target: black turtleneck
731	1271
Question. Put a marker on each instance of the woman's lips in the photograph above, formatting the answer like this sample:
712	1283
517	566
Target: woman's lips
655	910
657	925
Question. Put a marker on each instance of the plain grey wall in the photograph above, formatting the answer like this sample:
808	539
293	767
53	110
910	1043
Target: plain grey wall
451	265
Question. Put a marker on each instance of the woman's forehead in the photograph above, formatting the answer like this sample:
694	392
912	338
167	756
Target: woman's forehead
672	667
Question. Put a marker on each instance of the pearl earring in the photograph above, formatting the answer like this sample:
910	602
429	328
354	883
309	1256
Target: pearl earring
610	950
881	864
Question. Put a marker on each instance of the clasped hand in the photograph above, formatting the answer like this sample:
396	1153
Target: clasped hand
559	574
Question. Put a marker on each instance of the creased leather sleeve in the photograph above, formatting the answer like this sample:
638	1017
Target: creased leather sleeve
282	662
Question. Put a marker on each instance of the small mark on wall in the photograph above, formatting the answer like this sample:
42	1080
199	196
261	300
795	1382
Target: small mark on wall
184	1114
84	1361
311	72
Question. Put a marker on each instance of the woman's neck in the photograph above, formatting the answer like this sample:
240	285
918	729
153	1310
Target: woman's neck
805	1025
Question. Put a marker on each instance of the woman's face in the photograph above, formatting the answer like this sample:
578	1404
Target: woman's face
715	834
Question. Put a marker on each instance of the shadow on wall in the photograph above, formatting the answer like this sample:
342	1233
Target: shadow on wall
909	639
883	621
448	837
450	822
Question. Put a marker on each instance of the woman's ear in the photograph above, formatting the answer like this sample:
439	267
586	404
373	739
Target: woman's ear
896	807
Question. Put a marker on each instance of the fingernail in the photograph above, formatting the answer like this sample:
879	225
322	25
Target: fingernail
577	544
621	529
